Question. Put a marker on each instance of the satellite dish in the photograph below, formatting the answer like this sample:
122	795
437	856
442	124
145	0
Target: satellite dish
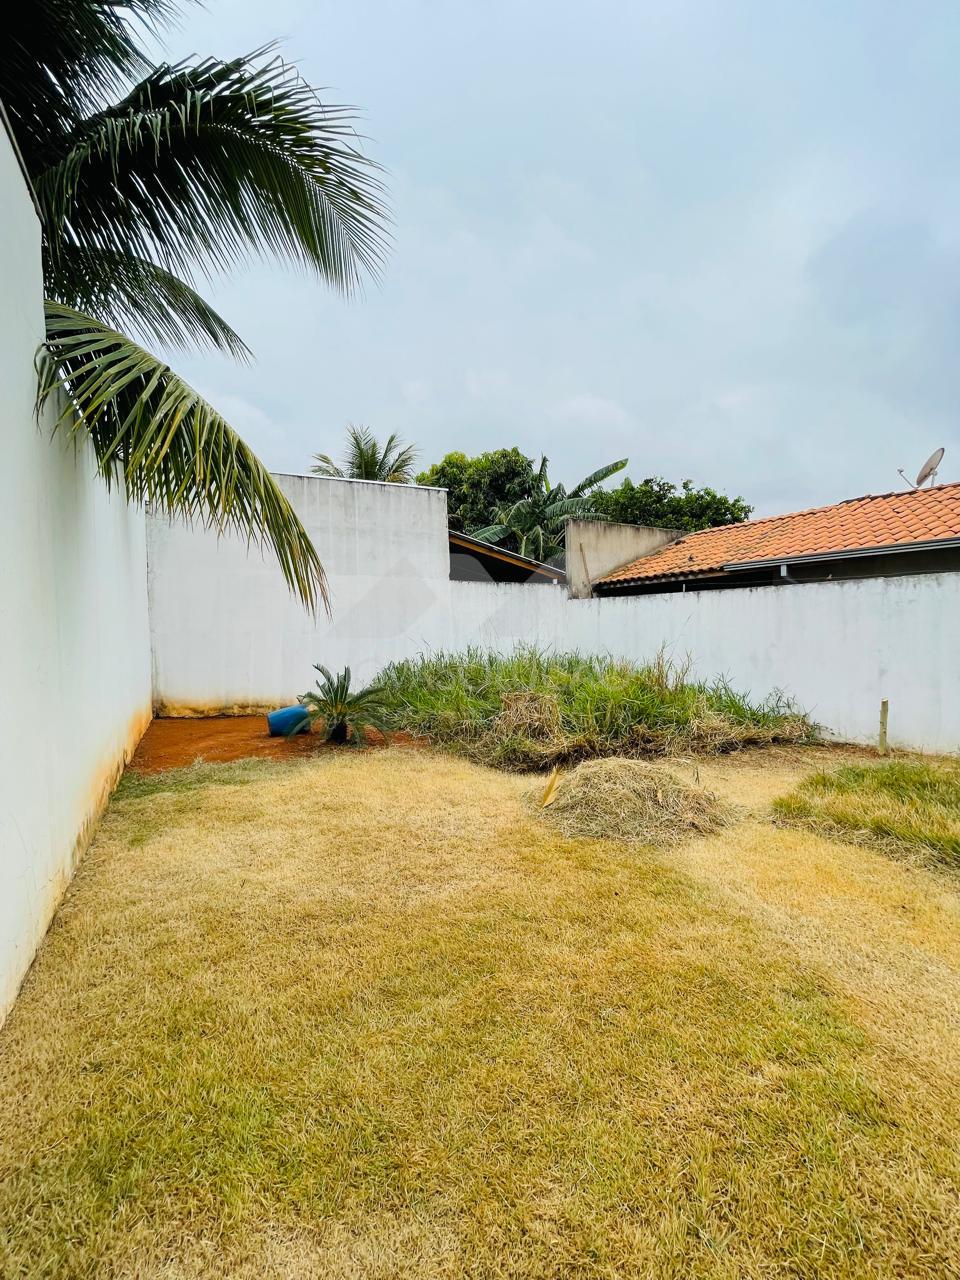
928	471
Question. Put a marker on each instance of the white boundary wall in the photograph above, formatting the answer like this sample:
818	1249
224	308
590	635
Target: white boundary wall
74	635
836	648
228	636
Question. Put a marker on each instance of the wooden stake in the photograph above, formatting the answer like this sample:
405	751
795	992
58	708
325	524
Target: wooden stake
548	795
884	712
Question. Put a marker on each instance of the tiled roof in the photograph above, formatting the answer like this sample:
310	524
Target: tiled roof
885	520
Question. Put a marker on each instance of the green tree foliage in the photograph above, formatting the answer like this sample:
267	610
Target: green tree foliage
656	501
366	459
478	487
145	177
534	525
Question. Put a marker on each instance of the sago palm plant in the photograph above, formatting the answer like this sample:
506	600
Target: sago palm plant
145	177
366	459
345	714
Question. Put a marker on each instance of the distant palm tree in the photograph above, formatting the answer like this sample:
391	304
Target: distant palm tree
144	177
534	526
366	460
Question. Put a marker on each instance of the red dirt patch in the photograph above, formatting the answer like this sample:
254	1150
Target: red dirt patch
171	744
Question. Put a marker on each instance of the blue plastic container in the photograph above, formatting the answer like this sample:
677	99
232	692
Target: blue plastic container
288	720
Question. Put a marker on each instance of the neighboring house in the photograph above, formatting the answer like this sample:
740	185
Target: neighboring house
474	561
917	531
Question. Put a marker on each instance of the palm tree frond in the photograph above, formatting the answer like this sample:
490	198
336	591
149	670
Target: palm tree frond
568	508
325	672
399	462
326	467
208	163
598	477
126	291
492	533
364	459
62	58
167	444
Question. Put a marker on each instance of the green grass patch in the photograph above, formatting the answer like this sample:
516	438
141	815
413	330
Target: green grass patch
234	773
530	710
907	806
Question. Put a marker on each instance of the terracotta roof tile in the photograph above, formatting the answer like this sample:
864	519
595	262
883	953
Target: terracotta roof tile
884	520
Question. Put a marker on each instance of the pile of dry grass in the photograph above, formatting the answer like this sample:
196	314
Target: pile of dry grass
622	799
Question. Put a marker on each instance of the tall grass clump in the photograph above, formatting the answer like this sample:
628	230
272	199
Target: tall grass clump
908	807
530	710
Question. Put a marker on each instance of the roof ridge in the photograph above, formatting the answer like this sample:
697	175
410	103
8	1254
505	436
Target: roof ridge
874	520
827	506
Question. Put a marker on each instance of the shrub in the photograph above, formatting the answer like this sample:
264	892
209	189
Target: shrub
343	713
529	710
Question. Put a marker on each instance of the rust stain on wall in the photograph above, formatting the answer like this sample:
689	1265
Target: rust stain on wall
205	710
105	777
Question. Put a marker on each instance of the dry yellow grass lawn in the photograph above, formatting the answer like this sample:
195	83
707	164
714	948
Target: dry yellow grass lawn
366	1016
884	933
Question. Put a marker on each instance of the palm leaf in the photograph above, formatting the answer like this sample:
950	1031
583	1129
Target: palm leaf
598	477
519	514
326	467
60	59
397	461
492	533
168	445
364	459
536	545
567	508
205	164
125	291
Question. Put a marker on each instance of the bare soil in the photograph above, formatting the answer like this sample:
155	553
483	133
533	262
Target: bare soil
174	743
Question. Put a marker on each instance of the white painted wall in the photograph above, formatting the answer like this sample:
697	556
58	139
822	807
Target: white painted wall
837	648
595	547
226	631
74	635
227	635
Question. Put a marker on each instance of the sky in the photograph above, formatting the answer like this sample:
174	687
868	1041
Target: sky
719	239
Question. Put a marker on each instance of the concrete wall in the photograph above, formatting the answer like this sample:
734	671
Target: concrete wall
74	636
836	647
596	547
227	635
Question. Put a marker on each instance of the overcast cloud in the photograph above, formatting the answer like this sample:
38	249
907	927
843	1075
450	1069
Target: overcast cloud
718	238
